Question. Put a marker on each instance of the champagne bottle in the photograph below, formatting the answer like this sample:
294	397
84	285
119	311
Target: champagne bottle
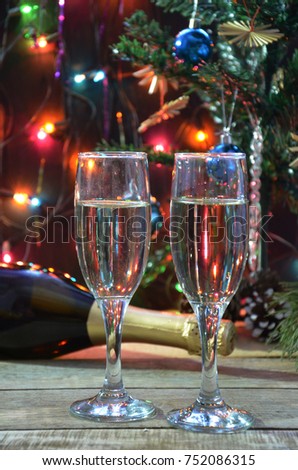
45	314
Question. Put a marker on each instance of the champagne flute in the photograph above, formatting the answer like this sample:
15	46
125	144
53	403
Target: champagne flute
208	233
112	212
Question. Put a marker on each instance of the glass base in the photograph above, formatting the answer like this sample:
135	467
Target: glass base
113	407
210	419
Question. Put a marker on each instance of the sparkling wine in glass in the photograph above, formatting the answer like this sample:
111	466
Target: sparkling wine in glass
112	211
209	239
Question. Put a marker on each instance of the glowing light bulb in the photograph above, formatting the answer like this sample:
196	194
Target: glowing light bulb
7	258
49	127
20	198
26	9
35	201
201	136
159	148
100	75
178	287
79	78
41	134
41	42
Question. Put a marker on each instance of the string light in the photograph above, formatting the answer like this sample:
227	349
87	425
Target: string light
79	78
24	198
159	143
201	136
99	75
6	253
49	127
7	258
41	42
21	198
35	201
95	75
61	51
159	148
41	134
26	9
178	287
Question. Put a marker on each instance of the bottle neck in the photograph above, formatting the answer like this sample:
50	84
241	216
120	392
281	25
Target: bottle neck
160	327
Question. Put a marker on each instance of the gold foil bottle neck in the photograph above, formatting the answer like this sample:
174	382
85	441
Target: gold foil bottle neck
163	328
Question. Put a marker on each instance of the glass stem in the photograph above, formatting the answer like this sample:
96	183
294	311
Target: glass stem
209	316
113	311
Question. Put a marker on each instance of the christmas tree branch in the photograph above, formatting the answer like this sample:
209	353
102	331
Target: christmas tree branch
286	333
266	77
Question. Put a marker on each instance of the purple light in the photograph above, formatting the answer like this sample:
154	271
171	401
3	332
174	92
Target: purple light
60	55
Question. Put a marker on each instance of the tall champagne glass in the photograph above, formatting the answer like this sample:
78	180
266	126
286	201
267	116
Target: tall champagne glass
112	211
208	231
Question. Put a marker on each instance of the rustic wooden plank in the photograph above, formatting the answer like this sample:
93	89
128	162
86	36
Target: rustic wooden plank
160	372
48	409
246	347
160	439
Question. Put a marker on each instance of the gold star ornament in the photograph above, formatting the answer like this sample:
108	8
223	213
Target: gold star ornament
167	111
248	34
155	81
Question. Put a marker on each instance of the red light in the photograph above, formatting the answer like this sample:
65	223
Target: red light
159	148
7	258
41	134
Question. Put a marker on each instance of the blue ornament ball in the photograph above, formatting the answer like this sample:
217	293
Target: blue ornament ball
219	171
156	218
193	46
216	167
226	148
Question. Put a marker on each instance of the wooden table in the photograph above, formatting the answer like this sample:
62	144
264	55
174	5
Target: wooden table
35	396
